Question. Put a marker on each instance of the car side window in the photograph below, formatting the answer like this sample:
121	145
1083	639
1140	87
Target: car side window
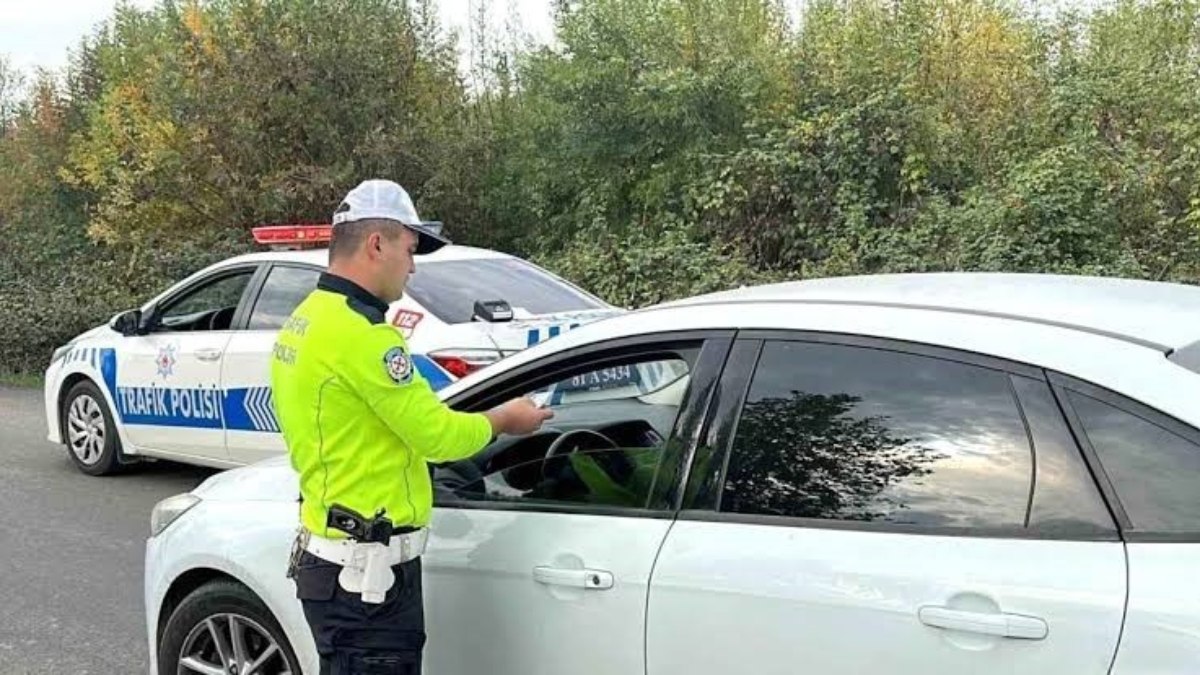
1154	469
1066	500
209	307
603	446
284	289
846	433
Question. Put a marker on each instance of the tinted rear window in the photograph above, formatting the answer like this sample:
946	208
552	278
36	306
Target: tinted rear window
1155	471
847	433
449	289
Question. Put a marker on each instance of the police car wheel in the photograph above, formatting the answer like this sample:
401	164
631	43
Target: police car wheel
223	627
89	432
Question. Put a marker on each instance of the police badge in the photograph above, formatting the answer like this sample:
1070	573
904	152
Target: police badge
398	365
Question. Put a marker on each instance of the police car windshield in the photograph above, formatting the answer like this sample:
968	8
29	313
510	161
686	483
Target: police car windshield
449	289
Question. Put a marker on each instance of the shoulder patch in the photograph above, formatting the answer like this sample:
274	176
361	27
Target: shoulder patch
398	365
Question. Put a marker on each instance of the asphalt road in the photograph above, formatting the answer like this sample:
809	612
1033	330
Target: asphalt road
71	550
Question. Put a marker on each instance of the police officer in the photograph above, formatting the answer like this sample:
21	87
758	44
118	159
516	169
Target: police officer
360	424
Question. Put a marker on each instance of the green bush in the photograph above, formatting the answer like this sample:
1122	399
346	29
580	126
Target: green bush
659	148
648	266
47	302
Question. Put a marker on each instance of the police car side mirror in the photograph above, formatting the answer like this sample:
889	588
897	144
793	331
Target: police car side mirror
128	323
151	321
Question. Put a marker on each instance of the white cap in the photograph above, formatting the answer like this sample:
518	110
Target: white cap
386	200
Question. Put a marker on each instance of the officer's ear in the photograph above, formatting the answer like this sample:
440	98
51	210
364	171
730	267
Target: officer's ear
375	242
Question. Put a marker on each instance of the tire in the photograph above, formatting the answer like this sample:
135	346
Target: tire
89	432
226	606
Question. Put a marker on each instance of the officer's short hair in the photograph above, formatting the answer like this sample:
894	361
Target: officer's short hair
348	237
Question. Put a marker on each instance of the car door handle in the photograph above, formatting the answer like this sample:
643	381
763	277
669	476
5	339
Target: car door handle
596	580
1002	625
208	354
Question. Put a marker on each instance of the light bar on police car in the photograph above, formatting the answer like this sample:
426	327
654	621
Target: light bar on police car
292	235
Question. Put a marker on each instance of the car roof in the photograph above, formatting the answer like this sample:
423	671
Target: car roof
1088	329
320	256
1159	315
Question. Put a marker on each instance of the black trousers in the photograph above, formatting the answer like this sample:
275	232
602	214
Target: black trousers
358	638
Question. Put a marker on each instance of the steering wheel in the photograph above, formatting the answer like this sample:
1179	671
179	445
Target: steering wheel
219	320
578	435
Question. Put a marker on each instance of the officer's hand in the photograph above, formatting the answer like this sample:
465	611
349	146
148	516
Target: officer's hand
517	417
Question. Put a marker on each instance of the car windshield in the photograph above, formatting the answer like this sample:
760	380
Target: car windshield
449	289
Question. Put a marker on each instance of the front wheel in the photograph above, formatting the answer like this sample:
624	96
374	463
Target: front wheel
89	432
223	627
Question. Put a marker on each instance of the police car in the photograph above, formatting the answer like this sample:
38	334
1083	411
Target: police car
185	377
917	474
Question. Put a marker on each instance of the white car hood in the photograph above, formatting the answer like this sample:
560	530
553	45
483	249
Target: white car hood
95	331
271	480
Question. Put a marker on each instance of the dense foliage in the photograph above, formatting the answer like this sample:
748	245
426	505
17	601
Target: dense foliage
658	148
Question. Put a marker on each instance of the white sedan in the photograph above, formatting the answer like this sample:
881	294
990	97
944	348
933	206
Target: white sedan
911	474
185	377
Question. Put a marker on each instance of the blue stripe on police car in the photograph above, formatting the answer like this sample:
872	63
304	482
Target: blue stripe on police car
242	409
250	409
432	372
534	335
238	409
197	408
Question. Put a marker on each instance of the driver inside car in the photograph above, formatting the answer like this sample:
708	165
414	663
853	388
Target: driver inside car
594	471
606	451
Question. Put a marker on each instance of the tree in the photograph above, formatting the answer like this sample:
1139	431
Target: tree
11	83
226	115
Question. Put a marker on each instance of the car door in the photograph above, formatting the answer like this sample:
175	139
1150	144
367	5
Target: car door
168	379
1150	464
251	428
862	505
542	546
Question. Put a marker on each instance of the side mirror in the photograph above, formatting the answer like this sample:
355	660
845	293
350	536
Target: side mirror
128	323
